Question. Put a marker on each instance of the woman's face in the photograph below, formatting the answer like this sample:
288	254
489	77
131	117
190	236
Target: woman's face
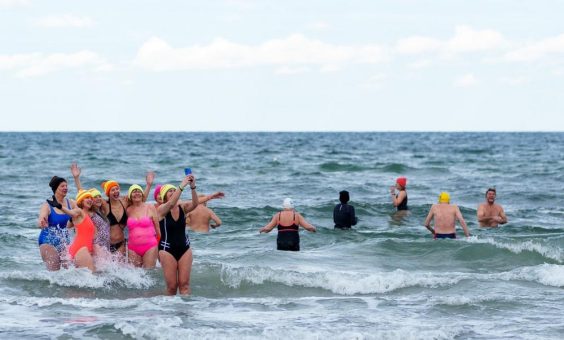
169	194
62	189
97	201
136	195
87	203
114	192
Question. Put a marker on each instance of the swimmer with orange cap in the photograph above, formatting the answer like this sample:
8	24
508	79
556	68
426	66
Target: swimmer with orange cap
444	216
82	246
115	207
399	198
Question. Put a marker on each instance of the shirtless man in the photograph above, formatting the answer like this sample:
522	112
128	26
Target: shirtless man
199	219
490	214
445	216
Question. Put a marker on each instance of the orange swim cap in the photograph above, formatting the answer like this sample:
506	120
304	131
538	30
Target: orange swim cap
108	185
82	195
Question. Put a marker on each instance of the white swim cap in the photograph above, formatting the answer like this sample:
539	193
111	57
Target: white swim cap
288	203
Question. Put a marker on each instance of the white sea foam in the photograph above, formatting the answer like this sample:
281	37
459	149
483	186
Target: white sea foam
346	283
119	274
546	251
546	274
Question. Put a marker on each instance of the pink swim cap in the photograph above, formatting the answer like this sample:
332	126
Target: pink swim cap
157	191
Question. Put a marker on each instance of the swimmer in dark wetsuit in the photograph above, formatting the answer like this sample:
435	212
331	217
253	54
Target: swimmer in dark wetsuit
343	213
175	253
288	222
399	199
445	215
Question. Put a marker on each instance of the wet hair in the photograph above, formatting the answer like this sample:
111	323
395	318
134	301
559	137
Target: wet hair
344	196
55	182
491	189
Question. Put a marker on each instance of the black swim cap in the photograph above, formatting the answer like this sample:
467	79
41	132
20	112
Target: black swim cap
55	182
344	196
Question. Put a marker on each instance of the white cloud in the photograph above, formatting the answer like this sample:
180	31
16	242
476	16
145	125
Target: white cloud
14	3
539	50
295	50
466	80
38	64
285	70
421	64
418	45
514	81
65	20
466	39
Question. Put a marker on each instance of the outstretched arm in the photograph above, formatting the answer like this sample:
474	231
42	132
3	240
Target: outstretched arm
73	213
305	224
218	194
267	228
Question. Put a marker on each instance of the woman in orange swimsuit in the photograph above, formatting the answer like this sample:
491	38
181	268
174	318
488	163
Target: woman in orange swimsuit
81	248
143	231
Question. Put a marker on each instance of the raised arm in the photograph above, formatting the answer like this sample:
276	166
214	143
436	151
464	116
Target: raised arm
76	171
149	180
427	222
305	224
193	203
462	222
165	207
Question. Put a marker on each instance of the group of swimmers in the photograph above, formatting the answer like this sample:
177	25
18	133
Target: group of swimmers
157	231
443	215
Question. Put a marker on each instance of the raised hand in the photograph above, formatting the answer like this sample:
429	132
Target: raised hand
75	170
150	177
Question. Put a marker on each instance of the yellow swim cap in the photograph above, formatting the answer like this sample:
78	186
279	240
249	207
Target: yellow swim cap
164	189
95	193
82	195
444	197
133	188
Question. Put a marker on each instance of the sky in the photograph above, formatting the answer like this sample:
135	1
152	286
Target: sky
292	65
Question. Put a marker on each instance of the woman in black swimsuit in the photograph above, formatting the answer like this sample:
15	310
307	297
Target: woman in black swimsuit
288	222
399	198
175	254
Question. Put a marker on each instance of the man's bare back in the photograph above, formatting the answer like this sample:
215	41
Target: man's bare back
199	219
444	216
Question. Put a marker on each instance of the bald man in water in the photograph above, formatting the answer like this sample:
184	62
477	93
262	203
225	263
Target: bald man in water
445	215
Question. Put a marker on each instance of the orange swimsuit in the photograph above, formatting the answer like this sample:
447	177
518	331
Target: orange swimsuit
84	236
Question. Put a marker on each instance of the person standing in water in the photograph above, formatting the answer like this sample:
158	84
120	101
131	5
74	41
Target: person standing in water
343	213
142	224
199	219
175	253
288	222
445	215
491	214
54	236
399	198
82	246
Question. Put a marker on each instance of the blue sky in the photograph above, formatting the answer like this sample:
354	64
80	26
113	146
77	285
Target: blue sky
242	65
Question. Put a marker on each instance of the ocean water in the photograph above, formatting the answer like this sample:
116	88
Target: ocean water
385	279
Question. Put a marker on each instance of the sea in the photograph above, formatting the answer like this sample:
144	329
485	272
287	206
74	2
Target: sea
384	279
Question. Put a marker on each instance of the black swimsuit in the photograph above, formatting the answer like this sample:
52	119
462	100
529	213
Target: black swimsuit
288	236
173	235
113	221
403	204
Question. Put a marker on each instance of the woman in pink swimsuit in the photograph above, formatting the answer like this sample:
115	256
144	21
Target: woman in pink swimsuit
142	224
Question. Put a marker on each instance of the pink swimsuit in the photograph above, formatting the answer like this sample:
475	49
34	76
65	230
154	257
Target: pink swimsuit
141	235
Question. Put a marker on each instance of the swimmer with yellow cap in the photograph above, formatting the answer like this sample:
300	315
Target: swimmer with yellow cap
444	197
444	215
